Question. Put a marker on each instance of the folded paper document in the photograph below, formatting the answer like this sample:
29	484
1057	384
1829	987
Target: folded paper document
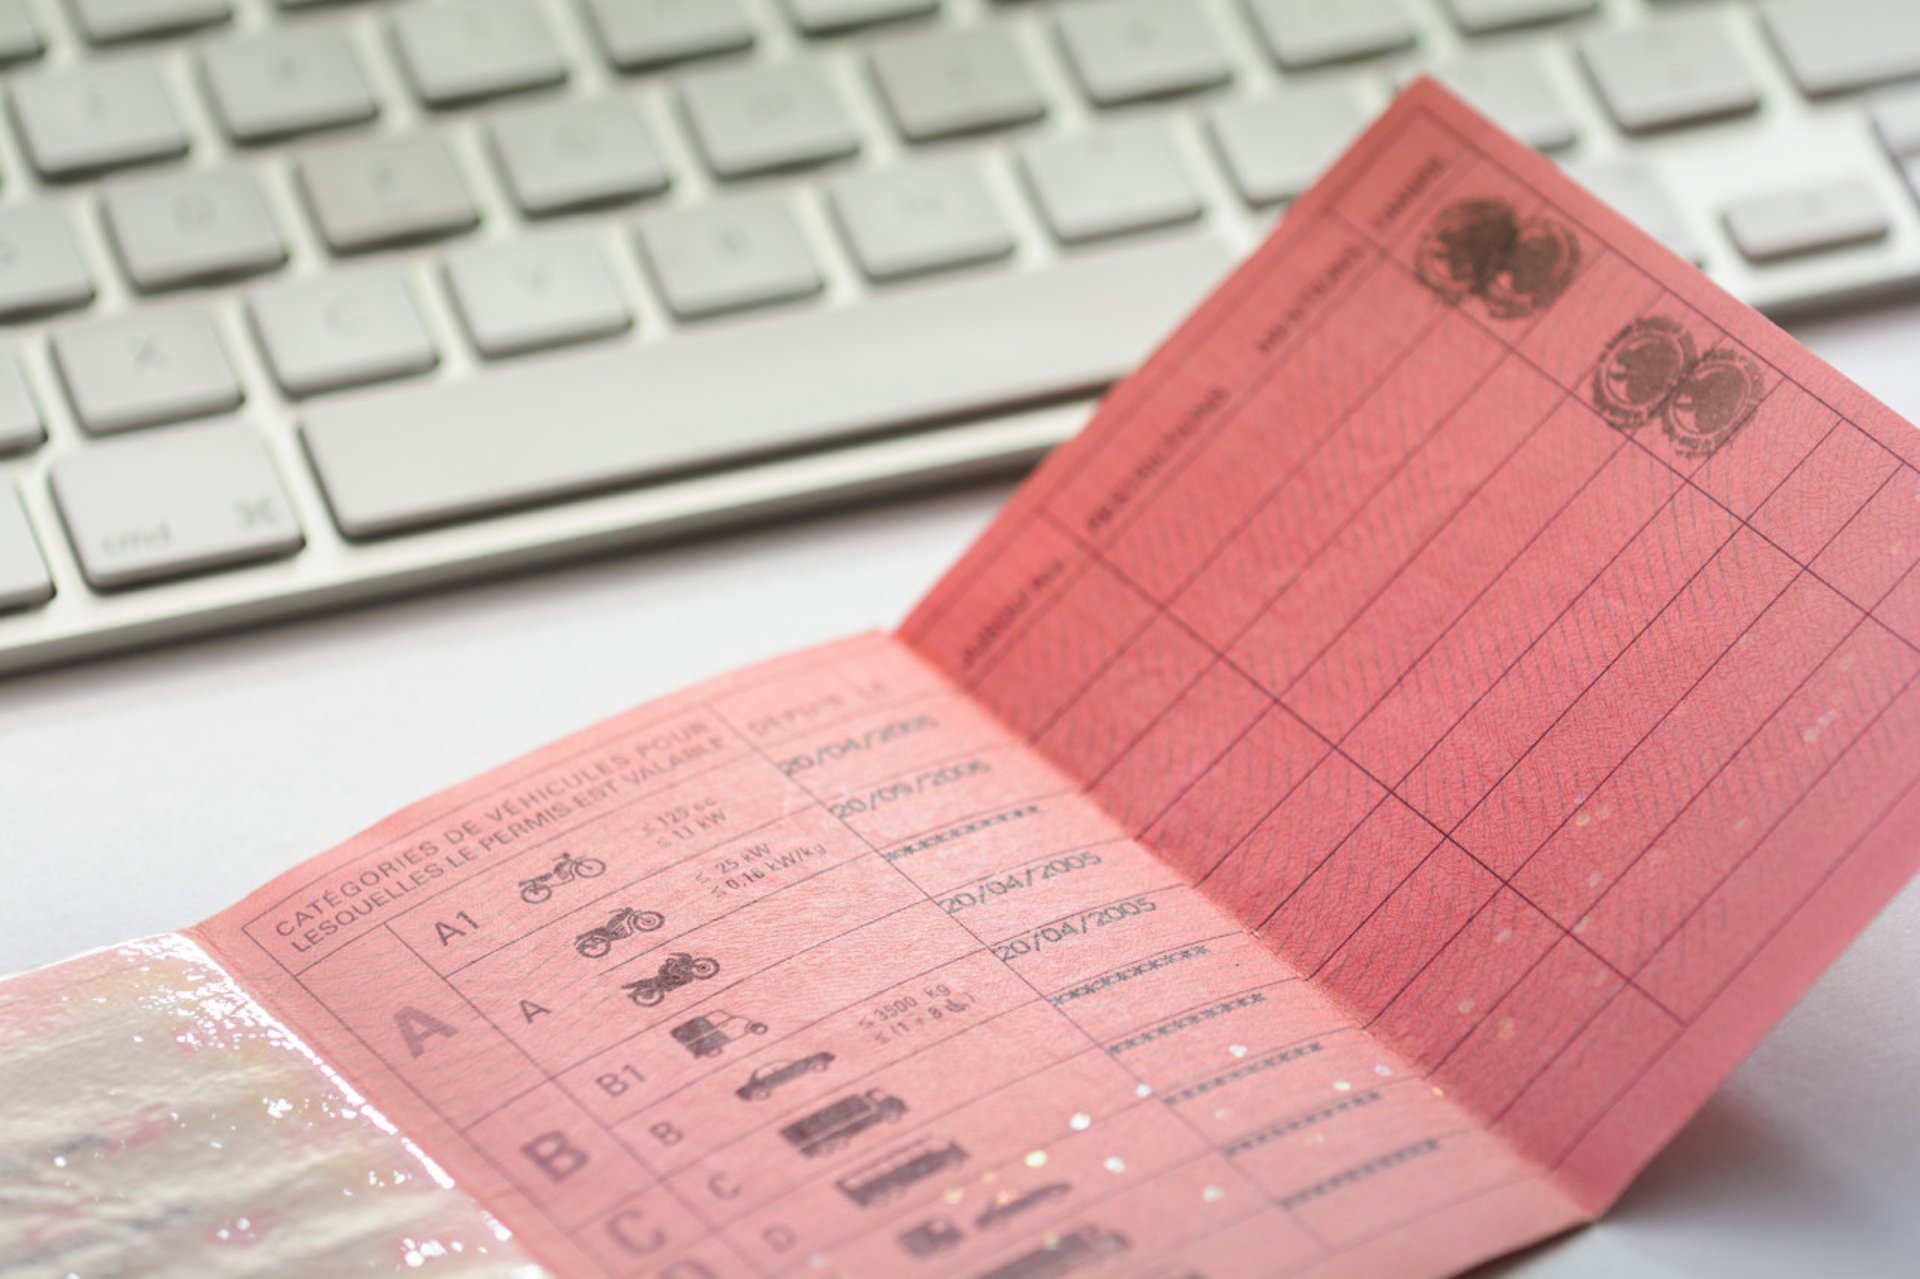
1352	807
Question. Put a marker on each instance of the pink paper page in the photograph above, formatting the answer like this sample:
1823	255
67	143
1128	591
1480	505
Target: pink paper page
1352	807
1514	631
818	970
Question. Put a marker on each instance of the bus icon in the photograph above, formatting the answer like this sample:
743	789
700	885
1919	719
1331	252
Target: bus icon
894	1171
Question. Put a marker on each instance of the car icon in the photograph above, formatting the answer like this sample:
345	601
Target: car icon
761	1083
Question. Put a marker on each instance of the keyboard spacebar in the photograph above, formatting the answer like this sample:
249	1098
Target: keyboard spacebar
399	457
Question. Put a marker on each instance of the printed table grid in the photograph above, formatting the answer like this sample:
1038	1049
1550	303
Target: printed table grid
1136	391
1116	742
1092	1044
1093	560
1095	557
550	1080
1689	476
1627	984
1065	464
1511	345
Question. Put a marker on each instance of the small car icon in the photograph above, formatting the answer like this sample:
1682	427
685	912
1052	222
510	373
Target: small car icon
761	1083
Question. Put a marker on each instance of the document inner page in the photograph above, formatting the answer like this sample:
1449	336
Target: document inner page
1514	632
818	970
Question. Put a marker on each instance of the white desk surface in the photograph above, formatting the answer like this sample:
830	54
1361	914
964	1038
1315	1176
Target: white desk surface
142	794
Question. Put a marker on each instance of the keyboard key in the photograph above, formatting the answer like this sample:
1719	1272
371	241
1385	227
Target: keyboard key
727	255
340	329
1807	219
158	364
20	37
1510	86
1120	177
382	190
820	17
1633	188
23	570
180	228
1125	50
539	290
20	425
174	502
1896	118
767	117
1311	33
286	82
106	21
1833	46
1477	17
1669	71
454	53
402	457
97	116
923	216
1277	144
647	33
563	155
40	264
949	82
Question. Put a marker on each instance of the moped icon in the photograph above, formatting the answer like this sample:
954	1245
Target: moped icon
566	870
624	922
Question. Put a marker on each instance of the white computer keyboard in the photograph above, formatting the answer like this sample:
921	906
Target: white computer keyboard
305	303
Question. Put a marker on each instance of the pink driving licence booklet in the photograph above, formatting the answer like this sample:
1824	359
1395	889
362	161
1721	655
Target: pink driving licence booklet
1357	801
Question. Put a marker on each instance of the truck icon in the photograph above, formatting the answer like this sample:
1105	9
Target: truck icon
833	1126
899	1168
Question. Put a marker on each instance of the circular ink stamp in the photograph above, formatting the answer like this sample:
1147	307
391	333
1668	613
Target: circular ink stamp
1535	271
1713	401
1640	369
1466	245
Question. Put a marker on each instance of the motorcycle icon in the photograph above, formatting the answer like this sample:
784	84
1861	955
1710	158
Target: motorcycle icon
624	922
677	970
568	868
